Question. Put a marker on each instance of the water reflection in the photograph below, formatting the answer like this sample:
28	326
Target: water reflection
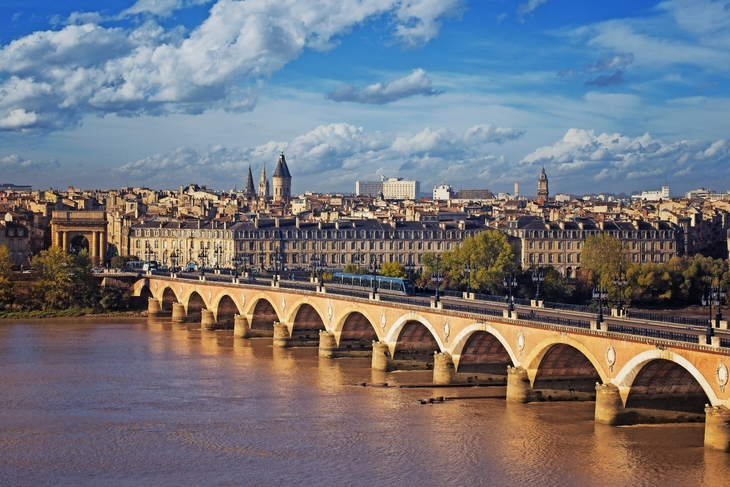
156	403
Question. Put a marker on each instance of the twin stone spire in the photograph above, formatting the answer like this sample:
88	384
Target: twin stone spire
281	182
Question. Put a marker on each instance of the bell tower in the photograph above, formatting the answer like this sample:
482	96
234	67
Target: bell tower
282	181
542	188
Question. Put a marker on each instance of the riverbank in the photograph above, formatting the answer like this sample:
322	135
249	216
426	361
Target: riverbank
70	313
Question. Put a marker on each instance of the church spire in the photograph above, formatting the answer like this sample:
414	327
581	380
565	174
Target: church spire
263	183
249	189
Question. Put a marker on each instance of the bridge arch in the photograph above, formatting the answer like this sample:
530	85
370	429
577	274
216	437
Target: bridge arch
460	341
340	323
396	330
536	356
225	308
305	323
356	331
482	350
262	314
416	342
167	298
627	376
195	305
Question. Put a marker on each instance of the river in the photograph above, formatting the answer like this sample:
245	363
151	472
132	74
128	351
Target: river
124	402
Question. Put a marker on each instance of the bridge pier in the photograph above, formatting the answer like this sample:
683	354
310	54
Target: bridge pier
444	371
518	385
381	357
154	308
207	319
327	344
178	313
717	428
609	406
281	334
241	327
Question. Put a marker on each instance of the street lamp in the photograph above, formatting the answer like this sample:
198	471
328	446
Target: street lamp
709	296
374	266
203	258
510	282
314	263
437	278
173	261
467	269
600	294
218	251
620	281
538	277
147	250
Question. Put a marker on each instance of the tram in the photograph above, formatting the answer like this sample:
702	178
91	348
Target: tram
392	285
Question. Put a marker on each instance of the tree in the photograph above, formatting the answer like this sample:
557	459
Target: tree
63	280
6	284
604	256
393	269
354	269
555	287
488	254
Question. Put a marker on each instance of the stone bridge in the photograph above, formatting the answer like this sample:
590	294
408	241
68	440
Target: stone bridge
633	379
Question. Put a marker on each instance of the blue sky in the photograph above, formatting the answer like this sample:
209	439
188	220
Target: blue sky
613	96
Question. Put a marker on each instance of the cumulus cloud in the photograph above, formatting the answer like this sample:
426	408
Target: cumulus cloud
416	83
335	155
583	155
527	8
607	80
609	63
51	79
20	165
160	8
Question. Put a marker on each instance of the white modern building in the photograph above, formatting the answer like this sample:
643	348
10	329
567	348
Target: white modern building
390	188
442	192
653	195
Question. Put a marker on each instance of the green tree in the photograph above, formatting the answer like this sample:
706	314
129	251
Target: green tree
63	280
393	269
6	283
483	259
604	256
555	287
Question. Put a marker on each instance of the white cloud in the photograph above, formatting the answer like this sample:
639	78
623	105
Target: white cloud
160	8
89	68
334	156
416	83
583	155
21	165
609	63
527	8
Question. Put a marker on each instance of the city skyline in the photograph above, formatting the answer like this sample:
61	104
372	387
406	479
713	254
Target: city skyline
161	93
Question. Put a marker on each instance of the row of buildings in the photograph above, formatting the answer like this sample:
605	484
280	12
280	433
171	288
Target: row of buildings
257	228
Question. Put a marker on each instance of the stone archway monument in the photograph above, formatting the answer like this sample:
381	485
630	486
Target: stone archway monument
66	225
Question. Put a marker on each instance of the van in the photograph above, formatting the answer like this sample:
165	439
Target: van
150	266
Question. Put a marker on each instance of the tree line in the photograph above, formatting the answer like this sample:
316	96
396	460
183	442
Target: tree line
58	281
483	262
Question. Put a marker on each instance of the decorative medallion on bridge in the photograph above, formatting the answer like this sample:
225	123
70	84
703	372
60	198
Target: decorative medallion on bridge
283	305
610	357
520	342
382	322
447	331
181	290
210	295
330	313
243	299
721	374
155	285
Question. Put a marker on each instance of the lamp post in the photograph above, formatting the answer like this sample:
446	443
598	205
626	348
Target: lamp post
510	282
314	263
173	262
538	277
620	281
467	269
437	278
599	294
709	296
203	257
218	251
147	250
374	266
